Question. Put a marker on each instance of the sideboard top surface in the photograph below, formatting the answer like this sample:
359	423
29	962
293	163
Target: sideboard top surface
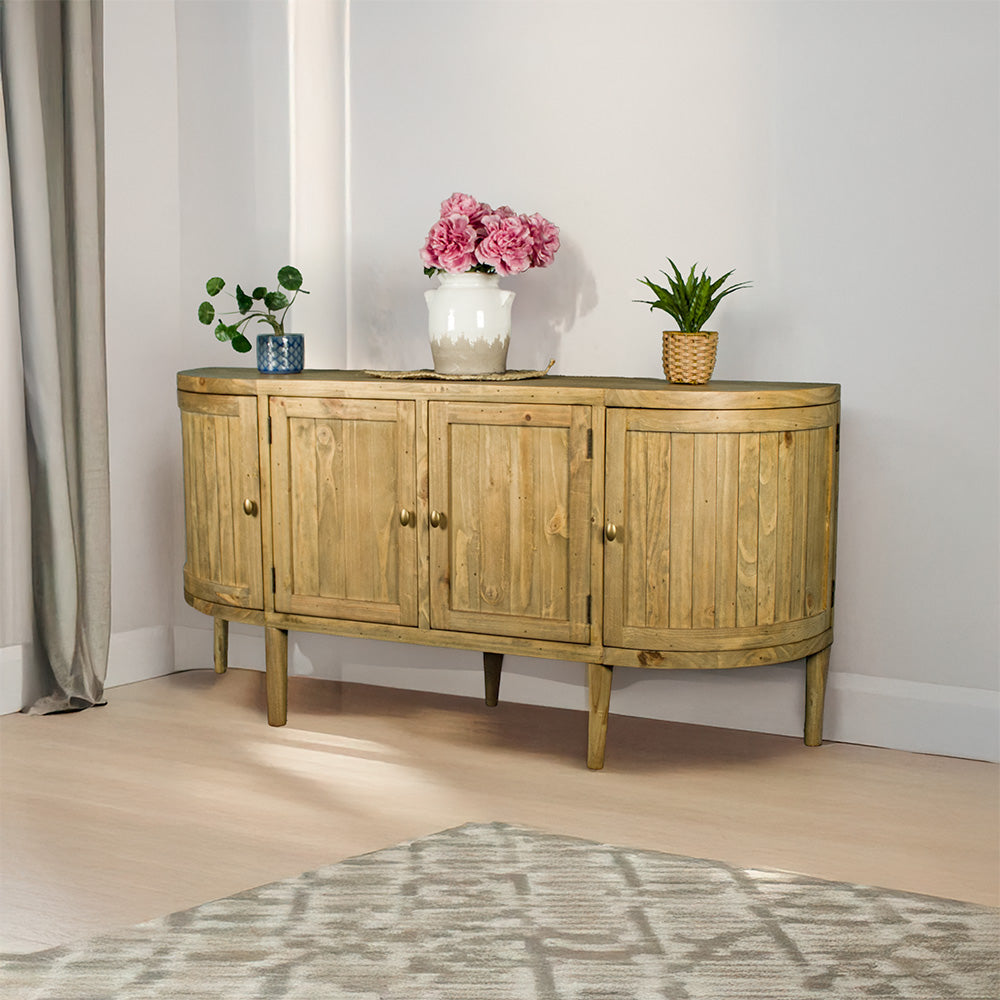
612	391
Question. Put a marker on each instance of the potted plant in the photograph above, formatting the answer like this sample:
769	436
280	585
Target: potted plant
689	352
276	351
469	248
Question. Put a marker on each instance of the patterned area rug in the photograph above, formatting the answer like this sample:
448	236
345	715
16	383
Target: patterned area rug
498	912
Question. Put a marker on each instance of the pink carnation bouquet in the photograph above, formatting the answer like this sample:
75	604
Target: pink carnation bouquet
471	236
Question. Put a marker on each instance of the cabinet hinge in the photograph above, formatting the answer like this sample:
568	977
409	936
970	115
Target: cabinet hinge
589	602
833	592
590	442
836	440
274	581
268	430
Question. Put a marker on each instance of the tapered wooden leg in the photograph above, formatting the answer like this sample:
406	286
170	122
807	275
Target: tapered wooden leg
817	667
276	662
221	645
492	663
599	681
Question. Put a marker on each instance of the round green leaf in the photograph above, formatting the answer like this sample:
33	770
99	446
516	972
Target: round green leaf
290	277
275	300
259	292
223	332
241	344
214	285
206	312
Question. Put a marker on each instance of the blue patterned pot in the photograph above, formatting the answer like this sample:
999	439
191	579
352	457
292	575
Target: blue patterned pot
280	355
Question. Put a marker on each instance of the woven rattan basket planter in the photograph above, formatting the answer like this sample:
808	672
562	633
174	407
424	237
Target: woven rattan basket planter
689	358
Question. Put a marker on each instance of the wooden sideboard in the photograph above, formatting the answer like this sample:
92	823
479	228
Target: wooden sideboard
609	521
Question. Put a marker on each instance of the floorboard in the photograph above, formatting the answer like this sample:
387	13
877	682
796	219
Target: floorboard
178	792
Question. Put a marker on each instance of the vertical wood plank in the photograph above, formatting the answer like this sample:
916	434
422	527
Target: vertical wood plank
580	486
767	528
330	527
229	508
655	582
635	526
799	518
209	498
746	530
303	501
818	519
524	598
681	528
616	474
704	531
727	521
784	526
406	578
551	452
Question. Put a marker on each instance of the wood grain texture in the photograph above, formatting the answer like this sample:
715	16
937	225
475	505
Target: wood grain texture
341	473
221	471
512	552
599	694
478	515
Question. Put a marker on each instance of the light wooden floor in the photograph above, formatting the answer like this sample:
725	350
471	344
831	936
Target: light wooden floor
178	792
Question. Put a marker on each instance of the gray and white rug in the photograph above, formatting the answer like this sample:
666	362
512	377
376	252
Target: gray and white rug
499	912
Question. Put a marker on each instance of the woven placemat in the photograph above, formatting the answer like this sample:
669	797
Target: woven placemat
507	376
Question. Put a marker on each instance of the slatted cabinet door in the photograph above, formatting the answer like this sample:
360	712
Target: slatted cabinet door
510	514
343	473
723	527
222	499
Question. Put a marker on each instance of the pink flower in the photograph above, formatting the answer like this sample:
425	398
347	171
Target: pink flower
450	244
465	204
545	237
507	245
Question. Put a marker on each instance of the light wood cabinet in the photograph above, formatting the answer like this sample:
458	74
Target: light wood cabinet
510	495
612	522
222	499
342	470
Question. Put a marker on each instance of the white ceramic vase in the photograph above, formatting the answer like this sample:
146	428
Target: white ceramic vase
469	324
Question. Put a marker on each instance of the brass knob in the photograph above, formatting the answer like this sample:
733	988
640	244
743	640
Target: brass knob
404	517
249	507
436	519
610	531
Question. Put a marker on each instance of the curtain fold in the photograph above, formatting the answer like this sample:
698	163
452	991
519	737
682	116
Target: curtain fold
51	58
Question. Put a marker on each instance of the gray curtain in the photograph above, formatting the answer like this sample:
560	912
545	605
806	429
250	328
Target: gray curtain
51	71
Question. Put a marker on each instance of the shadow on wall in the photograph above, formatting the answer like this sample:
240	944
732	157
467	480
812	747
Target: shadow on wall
549	302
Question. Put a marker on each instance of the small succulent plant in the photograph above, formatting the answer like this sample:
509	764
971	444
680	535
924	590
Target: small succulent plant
272	303
692	300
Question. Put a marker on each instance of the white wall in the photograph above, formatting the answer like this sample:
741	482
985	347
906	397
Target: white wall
842	156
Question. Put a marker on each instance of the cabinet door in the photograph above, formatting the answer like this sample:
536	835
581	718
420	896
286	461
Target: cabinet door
512	487
222	499
724	527
342	472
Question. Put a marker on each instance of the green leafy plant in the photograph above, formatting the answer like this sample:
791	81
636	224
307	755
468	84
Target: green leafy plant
272	303
692	300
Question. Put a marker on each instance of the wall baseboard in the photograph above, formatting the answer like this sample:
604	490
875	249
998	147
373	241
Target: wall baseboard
871	711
